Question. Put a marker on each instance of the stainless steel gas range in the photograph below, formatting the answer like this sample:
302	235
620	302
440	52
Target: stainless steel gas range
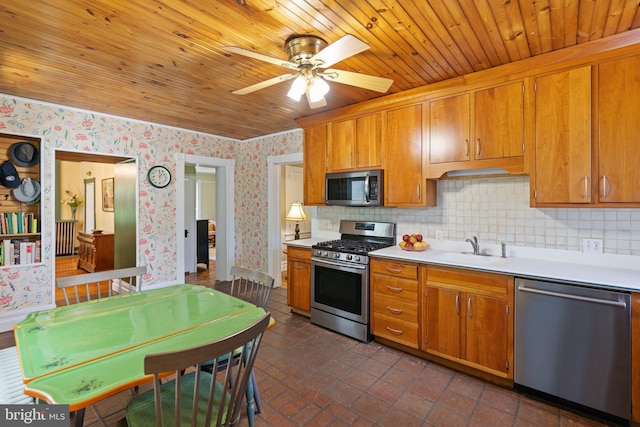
340	276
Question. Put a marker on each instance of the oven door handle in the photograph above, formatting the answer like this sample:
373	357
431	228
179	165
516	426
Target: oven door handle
334	264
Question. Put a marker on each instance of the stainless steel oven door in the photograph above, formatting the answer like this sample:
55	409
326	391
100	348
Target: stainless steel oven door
340	289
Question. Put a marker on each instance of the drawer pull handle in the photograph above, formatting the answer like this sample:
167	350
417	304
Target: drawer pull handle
392	289
394	270
394	331
299	267
394	310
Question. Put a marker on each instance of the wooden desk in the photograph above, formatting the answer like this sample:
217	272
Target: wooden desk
82	353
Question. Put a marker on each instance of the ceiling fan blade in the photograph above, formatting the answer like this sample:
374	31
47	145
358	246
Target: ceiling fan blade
261	57
341	49
365	81
264	84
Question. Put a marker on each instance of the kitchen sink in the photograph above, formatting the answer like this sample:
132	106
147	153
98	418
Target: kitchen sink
471	259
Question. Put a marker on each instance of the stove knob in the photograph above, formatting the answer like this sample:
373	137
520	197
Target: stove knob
336	255
325	253
349	257
356	258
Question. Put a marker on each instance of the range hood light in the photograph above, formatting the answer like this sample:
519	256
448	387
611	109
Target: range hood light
476	172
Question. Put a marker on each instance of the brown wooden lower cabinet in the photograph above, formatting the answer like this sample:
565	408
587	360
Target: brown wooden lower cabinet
95	251
394	301
299	279
469	318
461	316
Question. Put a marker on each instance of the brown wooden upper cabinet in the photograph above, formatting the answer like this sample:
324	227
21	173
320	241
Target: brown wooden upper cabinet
403	159
580	163
477	129
619	131
354	144
314	152
562	172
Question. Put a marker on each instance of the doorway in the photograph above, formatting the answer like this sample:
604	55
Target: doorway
224	194
276	211
88	177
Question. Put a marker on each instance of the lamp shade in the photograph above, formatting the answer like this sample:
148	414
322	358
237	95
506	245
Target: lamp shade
296	213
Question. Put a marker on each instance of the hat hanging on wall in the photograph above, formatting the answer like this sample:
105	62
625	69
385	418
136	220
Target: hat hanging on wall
28	191
24	154
9	175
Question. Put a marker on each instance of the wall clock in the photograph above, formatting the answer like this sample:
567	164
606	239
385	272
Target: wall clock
159	176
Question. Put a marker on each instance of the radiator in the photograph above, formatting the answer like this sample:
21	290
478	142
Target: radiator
65	237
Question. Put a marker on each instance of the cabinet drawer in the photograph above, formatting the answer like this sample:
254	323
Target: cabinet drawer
396	269
473	280
301	253
395	330
396	308
395	287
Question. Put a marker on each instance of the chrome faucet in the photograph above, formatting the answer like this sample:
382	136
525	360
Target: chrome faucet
475	244
504	249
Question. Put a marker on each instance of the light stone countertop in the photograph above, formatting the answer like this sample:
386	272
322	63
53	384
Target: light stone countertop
620	272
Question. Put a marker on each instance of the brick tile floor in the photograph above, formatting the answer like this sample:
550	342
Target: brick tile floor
309	376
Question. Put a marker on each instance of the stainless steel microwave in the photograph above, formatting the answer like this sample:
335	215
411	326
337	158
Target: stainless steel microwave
359	188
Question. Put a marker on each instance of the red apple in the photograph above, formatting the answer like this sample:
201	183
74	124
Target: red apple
406	237
419	237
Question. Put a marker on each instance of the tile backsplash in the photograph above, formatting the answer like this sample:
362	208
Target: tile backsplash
497	210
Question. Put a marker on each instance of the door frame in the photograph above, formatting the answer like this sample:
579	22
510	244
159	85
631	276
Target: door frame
84	156
225	208
274	172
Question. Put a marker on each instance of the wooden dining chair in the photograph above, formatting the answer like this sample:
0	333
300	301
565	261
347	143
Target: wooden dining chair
101	284
85	287
198	398
250	285
254	287
11	385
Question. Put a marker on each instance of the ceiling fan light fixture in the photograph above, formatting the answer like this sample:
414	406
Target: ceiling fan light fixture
298	87
318	88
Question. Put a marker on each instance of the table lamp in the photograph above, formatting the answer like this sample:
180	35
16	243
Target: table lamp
296	214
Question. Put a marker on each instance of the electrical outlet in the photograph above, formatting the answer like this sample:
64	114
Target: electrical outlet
592	246
439	236
329	224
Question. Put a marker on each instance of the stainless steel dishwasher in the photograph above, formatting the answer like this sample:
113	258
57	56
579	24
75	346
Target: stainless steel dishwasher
574	342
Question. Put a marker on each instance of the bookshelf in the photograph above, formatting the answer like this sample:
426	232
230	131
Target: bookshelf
20	224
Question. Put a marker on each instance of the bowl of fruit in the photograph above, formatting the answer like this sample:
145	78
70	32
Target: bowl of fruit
413	242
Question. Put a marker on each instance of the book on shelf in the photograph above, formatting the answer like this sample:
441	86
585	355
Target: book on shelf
18	223
20	251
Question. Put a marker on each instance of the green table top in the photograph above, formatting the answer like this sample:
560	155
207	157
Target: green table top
82	353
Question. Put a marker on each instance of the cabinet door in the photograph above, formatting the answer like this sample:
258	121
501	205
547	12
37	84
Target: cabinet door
341	145
619	144
402	146
486	338
315	160
299	285
449	129
563	137
368	146
499	122
443	329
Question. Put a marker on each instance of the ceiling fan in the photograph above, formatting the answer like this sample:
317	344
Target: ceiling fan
310	56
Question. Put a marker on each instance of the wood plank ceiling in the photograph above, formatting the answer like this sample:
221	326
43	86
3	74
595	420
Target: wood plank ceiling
161	60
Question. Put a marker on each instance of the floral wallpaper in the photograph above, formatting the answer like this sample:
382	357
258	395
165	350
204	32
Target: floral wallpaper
73	129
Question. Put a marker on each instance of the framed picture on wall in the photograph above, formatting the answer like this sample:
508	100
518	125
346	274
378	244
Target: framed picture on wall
107	195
